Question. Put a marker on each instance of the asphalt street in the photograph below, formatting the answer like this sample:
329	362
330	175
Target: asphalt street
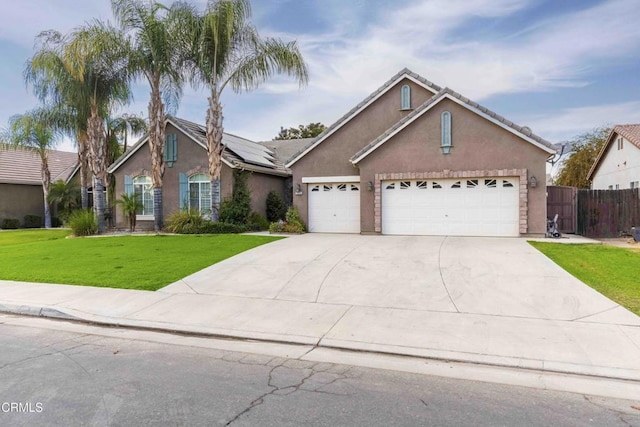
52	377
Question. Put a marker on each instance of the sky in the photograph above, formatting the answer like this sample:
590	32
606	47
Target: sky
561	67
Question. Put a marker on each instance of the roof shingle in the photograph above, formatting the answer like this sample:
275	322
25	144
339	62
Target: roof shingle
23	166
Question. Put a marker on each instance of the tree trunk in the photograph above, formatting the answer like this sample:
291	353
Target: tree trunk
46	183
214	149
98	161
83	162
156	148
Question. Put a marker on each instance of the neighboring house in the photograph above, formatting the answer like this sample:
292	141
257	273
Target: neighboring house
415	158
186	182
618	164
21	183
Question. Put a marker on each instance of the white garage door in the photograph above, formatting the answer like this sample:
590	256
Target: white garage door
334	207
451	207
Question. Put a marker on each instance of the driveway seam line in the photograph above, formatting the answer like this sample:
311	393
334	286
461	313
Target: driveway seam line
333	326
150	305
331	270
595	314
441	276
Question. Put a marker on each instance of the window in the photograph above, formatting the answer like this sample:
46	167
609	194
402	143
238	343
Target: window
620	143
391	186
634	184
405	184
326	188
445	123
436	185
316	188
456	184
472	183
144	190
506	183
171	149
491	183
342	187
611	187
405	98
200	193
617	186
354	187
422	185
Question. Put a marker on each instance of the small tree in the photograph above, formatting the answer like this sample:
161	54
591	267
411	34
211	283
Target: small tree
66	195
275	207
130	204
302	131
237	209
584	151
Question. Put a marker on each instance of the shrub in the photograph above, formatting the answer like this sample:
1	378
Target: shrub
33	221
237	209
210	227
275	207
56	222
292	223
83	223
257	222
10	223
186	221
130	204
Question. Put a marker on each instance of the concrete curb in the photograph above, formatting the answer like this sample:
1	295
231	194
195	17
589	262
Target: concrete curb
525	365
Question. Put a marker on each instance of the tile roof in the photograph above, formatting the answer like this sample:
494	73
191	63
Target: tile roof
523	130
364	102
23	166
630	132
285	149
238	152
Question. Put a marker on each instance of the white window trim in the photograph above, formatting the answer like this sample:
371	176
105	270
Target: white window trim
145	217
330	179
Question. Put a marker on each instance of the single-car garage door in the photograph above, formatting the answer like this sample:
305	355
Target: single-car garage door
334	207
453	207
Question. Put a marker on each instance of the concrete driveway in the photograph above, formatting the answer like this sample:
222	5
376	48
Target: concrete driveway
489	276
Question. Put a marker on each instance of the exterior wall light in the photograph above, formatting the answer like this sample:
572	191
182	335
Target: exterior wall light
533	182
298	190
369	186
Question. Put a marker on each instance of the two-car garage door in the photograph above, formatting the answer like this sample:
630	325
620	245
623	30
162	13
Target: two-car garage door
453	207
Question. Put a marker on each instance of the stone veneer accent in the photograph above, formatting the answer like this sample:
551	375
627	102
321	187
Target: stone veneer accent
487	173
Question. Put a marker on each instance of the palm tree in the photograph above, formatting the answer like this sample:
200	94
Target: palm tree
54	83
130	204
33	131
126	124
154	58
66	196
227	51
96	56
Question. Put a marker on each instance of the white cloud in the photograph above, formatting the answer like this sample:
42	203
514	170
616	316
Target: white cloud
563	125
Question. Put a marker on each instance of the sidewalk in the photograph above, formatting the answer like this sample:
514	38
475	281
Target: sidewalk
604	345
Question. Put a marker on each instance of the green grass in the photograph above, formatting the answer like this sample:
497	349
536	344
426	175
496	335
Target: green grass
612	271
131	262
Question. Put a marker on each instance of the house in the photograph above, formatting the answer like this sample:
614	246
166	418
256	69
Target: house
21	183
415	158
186	182
617	166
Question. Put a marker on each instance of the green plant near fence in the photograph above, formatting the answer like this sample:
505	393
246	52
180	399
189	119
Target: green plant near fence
83	222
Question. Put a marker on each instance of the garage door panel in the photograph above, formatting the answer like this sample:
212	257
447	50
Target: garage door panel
482	207
334	208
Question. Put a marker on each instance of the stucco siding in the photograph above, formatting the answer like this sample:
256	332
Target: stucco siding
17	200
332	156
618	167
260	186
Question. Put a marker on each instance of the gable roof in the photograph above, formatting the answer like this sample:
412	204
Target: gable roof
238	152
629	132
446	93
23	166
404	73
285	149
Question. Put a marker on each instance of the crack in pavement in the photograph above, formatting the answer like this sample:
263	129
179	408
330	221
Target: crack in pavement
291	388
617	412
441	276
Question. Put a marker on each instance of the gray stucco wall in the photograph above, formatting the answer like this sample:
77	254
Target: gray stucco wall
18	200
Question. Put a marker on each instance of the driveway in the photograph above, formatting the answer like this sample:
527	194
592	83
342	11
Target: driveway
488	276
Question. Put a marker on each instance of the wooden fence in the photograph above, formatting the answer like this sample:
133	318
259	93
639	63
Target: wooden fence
608	213
562	201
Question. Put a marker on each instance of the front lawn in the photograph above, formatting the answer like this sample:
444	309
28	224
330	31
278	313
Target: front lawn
131	262
612	271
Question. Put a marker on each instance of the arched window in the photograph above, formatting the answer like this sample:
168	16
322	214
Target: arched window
445	123
200	193
405	98
143	188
